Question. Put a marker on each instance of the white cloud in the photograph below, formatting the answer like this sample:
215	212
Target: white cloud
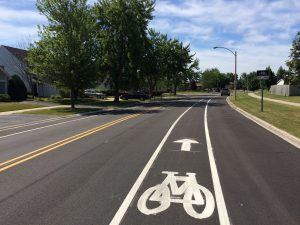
249	58
261	31
18	16
17	25
14	34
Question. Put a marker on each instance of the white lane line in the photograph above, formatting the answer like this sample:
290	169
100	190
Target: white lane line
34	122
15	126
221	206
39	128
127	201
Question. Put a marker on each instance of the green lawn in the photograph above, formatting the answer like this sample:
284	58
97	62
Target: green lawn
61	111
191	92
92	102
279	97
282	116
4	107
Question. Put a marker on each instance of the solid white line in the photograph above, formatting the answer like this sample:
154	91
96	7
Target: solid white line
222	210
20	125
39	128
127	201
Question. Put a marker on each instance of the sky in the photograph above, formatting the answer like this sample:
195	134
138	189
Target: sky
260	31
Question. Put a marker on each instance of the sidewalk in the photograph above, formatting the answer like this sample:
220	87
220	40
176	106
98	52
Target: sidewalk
34	109
274	100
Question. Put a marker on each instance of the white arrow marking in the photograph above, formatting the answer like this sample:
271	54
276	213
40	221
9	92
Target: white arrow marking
186	144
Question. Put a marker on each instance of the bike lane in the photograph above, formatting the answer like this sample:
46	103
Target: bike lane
178	188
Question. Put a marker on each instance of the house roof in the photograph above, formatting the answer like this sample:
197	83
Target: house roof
20	54
3	72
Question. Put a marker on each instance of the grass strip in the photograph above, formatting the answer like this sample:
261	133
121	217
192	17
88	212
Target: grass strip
61	111
92	102
282	116
5	107
267	94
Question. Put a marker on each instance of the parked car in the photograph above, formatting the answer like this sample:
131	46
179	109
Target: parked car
134	95
93	93
225	91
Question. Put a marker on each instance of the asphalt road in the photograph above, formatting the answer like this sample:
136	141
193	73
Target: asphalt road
189	161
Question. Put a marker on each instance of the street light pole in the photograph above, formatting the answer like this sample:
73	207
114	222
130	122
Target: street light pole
235	66
235	75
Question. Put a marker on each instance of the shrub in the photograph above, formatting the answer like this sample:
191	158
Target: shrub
55	97
64	93
4	98
41	99
17	89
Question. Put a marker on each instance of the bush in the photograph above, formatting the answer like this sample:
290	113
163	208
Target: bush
4	98
41	99
64	93
55	97
17	89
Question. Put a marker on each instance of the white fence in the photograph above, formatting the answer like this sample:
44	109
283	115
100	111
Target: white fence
285	90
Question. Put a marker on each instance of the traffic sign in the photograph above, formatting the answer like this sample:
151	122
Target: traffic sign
262	74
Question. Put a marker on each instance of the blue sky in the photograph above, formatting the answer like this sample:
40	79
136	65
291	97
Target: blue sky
260	31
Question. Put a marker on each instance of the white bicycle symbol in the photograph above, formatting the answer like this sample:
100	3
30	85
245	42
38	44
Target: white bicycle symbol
193	194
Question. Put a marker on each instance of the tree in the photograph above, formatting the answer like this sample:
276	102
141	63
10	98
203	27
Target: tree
122	28
243	82
253	82
67	54
178	62
193	74
272	78
225	79
294	61
210	78
281	73
153	60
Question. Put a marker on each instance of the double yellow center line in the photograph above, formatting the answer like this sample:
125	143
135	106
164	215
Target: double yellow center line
23	158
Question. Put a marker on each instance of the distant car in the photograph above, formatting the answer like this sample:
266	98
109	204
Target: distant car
225	91
134	95
92	93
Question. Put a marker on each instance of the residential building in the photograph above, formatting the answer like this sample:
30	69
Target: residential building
13	62
4	77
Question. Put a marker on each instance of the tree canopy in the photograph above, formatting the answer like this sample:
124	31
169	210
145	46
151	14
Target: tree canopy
67	53
109	41
294	62
213	78
122	31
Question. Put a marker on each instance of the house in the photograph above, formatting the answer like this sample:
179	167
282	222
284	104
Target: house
13	62
4	77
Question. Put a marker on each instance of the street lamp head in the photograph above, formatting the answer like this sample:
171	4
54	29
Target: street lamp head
216	47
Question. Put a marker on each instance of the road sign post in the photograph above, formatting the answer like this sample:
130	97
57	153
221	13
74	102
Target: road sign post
261	96
262	75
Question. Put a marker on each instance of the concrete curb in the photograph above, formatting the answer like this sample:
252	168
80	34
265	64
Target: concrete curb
280	133
275	100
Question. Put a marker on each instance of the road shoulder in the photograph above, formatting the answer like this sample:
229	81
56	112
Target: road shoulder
280	133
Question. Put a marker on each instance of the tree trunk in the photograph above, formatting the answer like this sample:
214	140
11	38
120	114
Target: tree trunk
31	84
175	89
76	94
116	92
150	92
150	89
72	99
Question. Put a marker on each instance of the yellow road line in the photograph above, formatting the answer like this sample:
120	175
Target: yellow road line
63	142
